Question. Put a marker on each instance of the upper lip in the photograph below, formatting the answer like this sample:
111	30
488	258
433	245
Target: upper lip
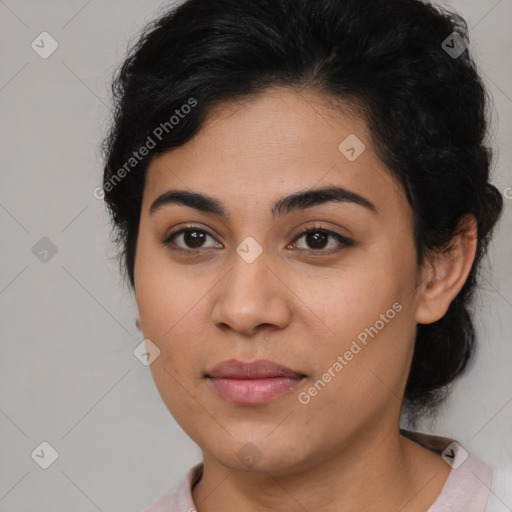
261	369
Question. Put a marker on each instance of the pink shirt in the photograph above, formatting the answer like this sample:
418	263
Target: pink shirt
466	489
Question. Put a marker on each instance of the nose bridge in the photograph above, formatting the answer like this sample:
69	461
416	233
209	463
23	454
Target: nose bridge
249	281
250	293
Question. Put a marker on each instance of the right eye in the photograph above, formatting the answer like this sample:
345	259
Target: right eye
192	238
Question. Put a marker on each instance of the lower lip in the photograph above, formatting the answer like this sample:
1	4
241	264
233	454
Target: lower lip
253	391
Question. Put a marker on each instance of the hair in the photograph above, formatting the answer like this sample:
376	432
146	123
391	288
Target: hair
426	110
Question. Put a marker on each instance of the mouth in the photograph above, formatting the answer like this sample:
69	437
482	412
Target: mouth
252	383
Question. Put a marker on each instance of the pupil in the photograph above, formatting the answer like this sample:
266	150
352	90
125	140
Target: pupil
315	236
194	238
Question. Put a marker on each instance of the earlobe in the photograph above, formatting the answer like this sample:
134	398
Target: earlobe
446	272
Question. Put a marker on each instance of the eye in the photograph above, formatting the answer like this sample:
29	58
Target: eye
192	238
317	239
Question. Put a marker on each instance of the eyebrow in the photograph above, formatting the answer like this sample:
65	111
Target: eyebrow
295	202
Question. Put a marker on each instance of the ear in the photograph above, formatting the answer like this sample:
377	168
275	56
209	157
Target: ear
444	273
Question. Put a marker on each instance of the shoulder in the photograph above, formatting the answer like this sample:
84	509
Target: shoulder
180	499
468	486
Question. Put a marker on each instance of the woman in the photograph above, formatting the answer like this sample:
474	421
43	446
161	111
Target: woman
300	191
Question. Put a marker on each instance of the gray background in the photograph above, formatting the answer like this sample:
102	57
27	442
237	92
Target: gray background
68	375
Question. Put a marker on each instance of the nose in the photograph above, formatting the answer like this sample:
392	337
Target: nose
252	297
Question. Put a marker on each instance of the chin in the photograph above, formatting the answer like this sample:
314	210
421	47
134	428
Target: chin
260	455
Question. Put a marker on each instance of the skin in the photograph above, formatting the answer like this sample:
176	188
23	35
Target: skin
299	310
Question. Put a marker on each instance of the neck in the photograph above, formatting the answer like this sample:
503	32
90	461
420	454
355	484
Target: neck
374	467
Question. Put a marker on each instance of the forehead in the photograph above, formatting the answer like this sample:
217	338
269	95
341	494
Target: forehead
263	147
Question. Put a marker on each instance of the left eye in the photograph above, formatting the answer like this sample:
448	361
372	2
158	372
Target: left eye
317	240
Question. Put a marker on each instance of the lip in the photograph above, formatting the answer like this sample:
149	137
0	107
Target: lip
252	383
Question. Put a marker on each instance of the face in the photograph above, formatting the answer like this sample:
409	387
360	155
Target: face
325	287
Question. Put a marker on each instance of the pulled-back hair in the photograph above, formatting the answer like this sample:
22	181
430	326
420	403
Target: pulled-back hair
402	63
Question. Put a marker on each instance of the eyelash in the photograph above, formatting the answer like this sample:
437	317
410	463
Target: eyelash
345	242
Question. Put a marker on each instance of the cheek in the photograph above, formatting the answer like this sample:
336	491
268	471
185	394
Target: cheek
163	293
172	311
178	393
348	302
368	320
